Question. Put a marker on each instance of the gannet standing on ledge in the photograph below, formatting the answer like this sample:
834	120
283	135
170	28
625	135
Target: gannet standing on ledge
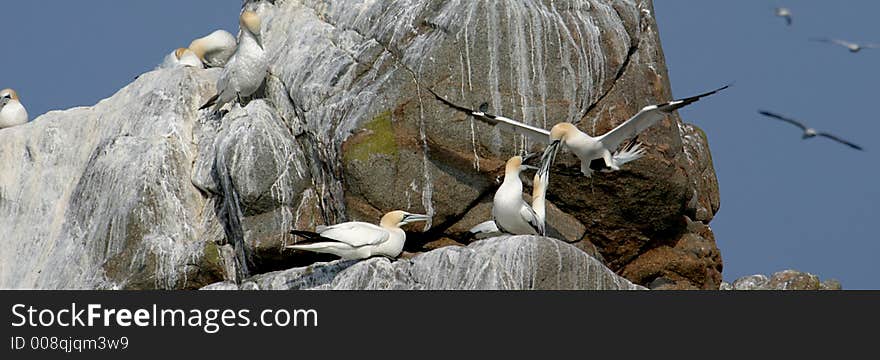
586	147
360	240
12	112
245	71
214	49
510	213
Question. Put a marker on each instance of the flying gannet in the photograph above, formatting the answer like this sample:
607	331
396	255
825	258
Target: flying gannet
214	49
784	13
246	69
360	240
586	147
853	47
808	131
181	57
12	112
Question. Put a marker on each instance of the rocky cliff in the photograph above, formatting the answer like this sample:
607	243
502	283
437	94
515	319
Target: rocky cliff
144	191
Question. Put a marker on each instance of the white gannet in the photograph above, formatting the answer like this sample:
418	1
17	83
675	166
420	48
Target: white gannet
214	49
784	13
246	69
808	131
510	213
586	147
12	112
851	46
360	240
181	57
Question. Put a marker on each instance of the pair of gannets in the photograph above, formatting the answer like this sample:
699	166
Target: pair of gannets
246	69
12	112
510	213
360	240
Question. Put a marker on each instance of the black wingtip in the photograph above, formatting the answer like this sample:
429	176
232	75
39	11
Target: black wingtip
210	102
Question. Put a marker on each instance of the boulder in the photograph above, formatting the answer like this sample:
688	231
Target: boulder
499	263
782	280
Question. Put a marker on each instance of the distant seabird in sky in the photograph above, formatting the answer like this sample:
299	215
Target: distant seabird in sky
214	49
12	112
360	240
586	147
808	131
246	70
785	13
510	212
853	47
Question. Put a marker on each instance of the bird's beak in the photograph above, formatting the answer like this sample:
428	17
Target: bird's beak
549	156
259	38
528	167
411	218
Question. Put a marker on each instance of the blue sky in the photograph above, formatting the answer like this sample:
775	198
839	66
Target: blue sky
785	202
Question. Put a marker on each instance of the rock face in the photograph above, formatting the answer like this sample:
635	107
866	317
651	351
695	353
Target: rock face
144	191
500	263
783	280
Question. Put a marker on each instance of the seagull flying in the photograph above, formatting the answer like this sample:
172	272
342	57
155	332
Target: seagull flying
808	131
785	13
360	240
586	147
853	47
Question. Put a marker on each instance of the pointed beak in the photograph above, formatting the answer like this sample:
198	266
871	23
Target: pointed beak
411	218
548	157
528	167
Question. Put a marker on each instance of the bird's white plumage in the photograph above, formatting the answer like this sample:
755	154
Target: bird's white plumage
355	233
360	240
216	48
12	112
509	211
181	58
245	71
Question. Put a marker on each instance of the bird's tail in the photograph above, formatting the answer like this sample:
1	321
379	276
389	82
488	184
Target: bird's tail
210	102
631	152
485	227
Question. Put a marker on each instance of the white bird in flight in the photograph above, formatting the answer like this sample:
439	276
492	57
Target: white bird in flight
808	131
510	213
853	47
586	147
246	69
12	112
214	49
785	13
360	240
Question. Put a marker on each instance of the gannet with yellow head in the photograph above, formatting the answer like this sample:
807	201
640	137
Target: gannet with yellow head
586	147
360	240
246	69
510	212
12	112
181	57
214	49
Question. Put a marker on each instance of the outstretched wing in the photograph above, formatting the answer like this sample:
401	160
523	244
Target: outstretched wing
355	233
780	117
843	43
648	116
842	141
533	133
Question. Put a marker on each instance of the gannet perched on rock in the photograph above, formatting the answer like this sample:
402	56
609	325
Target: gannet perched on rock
808	131
360	240
246	69
12	112
181	57
214	49
510	213
586	147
